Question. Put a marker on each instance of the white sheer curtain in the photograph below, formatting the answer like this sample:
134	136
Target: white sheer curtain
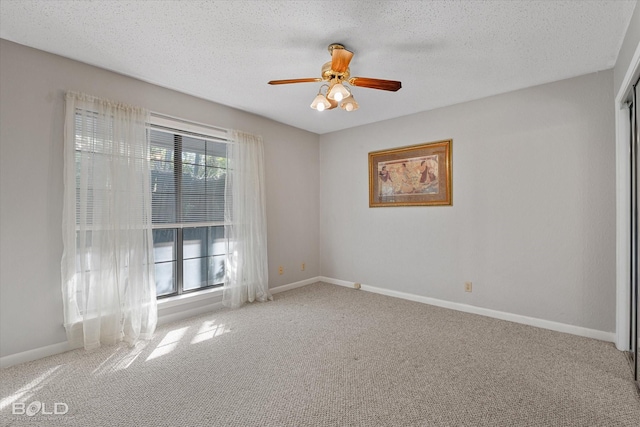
108	283
247	274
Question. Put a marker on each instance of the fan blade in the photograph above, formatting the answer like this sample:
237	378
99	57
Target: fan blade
390	85
340	59
284	82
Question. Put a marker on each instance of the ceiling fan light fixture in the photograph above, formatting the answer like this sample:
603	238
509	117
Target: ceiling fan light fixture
338	92
349	104
320	103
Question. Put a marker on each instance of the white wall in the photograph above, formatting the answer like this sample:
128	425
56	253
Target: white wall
533	218
32	84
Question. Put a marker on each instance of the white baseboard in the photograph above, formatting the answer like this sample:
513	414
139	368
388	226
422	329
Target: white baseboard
336	282
294	285
511	317
36	353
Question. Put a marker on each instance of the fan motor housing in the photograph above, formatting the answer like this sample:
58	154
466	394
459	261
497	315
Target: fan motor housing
329	74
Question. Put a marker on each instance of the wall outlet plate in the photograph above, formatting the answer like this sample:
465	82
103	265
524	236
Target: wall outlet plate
468	286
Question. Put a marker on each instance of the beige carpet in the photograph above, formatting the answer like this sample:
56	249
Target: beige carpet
324	355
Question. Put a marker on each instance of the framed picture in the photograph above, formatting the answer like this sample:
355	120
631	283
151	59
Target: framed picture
418	175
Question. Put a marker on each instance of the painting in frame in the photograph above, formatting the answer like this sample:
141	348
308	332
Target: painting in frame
416	175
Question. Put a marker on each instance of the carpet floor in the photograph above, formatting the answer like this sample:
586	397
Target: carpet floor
324	355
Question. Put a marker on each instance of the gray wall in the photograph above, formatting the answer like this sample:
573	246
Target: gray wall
533	218
32	84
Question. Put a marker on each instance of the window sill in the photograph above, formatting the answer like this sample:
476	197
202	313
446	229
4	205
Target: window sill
189	298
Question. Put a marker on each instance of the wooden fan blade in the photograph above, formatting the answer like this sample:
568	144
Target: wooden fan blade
390	85
285	82
340	59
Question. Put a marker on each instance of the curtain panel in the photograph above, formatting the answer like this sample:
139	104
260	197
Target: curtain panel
247	274
108	283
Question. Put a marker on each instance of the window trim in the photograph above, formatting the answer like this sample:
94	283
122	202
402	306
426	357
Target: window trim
175	300
188	128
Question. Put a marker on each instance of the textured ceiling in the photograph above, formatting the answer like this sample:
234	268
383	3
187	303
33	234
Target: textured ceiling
444	52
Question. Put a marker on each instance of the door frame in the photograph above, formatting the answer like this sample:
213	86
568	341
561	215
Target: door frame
623	202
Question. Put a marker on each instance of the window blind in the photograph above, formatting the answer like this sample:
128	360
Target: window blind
188	176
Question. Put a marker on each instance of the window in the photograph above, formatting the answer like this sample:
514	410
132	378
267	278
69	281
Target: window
188	177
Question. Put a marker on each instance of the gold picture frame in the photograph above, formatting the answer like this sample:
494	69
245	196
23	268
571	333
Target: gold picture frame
417	175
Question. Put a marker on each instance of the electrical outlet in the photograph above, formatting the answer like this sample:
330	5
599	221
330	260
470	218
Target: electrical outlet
468	287
303	266
281	270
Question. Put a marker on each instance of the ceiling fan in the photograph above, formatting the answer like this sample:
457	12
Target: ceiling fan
336	72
